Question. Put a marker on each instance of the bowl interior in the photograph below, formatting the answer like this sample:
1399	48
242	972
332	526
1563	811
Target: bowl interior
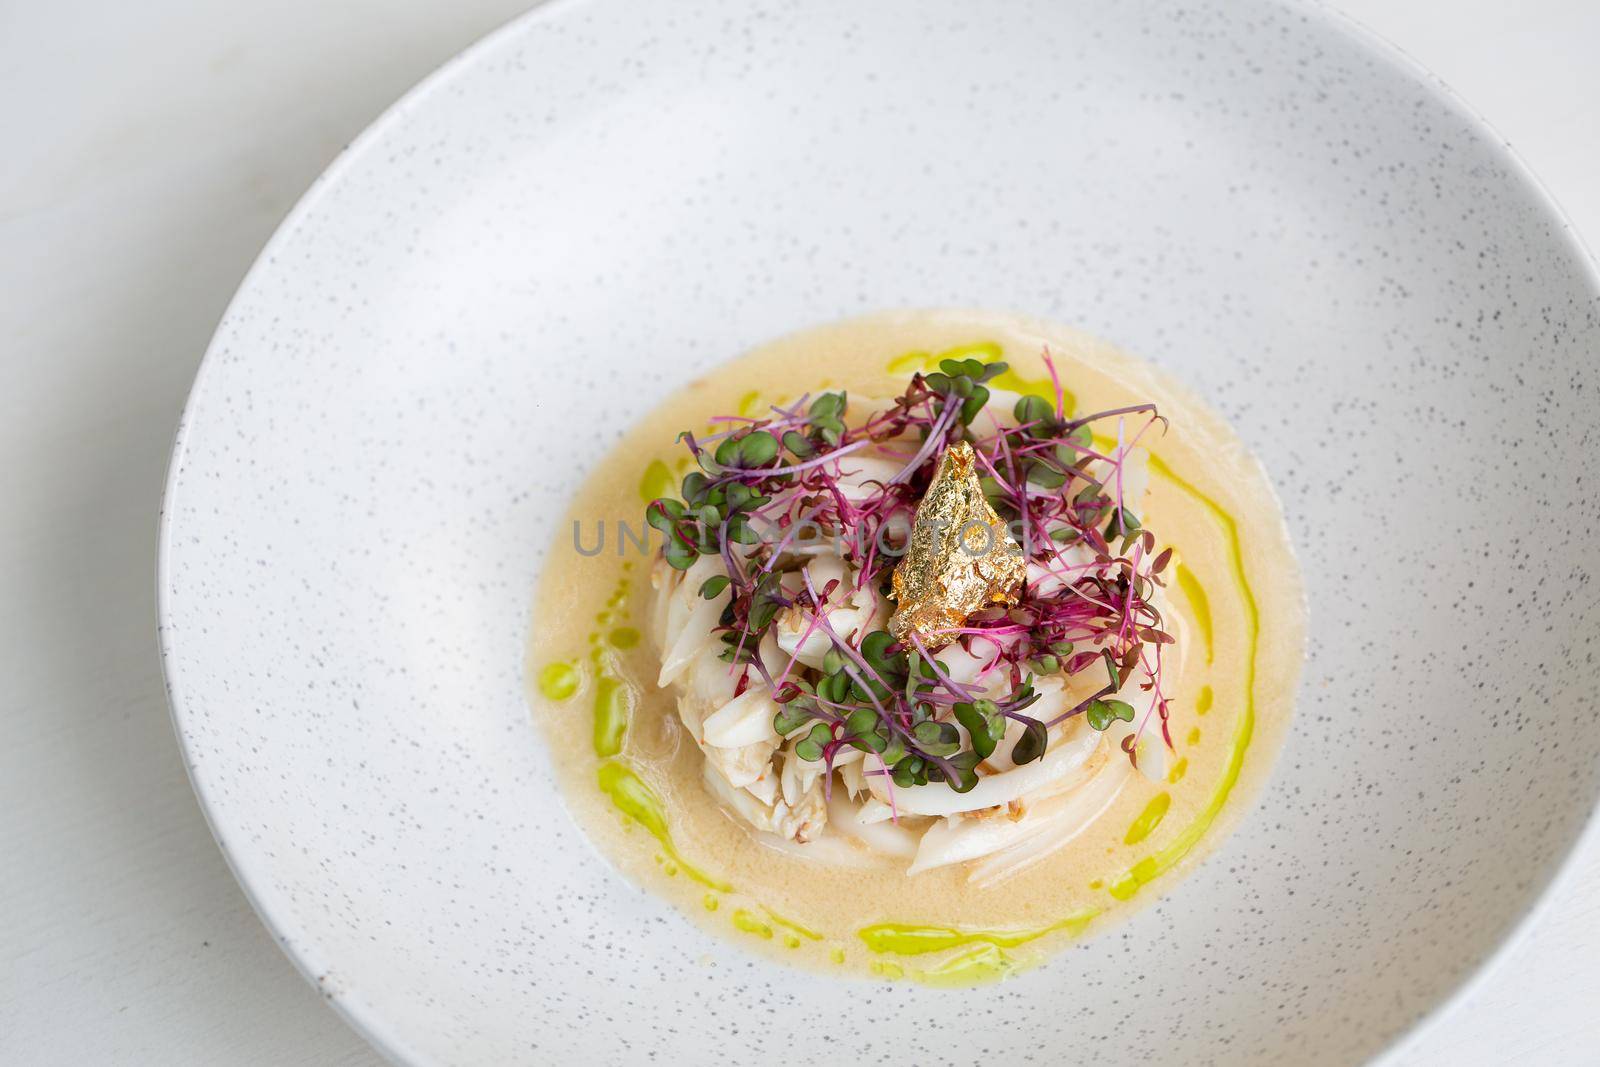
606	198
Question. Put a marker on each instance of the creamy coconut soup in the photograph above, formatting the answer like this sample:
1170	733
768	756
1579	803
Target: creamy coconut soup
955	637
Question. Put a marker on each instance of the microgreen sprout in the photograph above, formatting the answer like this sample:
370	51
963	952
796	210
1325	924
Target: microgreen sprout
1088	604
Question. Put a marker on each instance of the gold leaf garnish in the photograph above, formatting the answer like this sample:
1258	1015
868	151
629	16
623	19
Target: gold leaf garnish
960	560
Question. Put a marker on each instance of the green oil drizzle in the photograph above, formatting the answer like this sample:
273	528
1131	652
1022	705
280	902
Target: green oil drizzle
982	351
905	939
1175	776
558	681
624	637
886	969
983	964
657	482
751	923
790	924
912	361
613	704
1188	582
750	403
1148	868
638	802
710	902
1202	703
837	955
791	941
1194	736
1148	819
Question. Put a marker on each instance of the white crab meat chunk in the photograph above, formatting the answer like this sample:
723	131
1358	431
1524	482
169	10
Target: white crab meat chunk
964	664
847	610
1062	568
691	619
886	838
859	477
960	838
1067	816
742	766
744	720
802	821
709	683
1064	755
797	776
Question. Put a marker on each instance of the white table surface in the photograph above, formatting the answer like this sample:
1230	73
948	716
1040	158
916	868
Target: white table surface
149	149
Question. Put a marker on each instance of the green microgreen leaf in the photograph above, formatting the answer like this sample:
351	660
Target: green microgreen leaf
810	747
937	738
679	555
973	404
757	449
663	513
861	721
800	446
1031	745
965	765
1046	477
1102	713
984	723
791	717
1034	409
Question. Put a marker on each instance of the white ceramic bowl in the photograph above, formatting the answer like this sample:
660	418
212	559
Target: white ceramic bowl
605	198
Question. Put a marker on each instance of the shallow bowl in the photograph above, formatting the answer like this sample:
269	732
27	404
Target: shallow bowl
604	199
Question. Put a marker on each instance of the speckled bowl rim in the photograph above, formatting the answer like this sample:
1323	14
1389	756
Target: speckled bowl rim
370	1023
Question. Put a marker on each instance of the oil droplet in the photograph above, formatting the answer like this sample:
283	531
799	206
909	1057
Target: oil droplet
1179	769
613	704
1194	736
751	923
1098	883
670	869
1202	703
711	902
624	637
750	403
886	969
791	940
634	799
1148	819
656	482
558	681
837	955
1199	604
1141	873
